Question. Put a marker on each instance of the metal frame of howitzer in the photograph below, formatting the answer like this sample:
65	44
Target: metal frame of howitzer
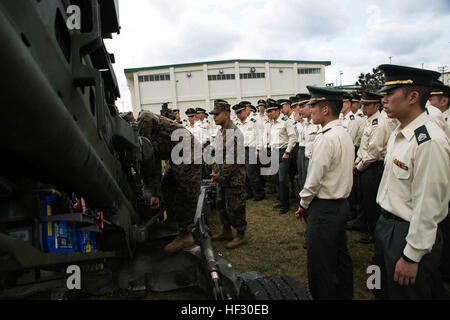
61	131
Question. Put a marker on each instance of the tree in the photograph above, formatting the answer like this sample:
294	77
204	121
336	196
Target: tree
371	81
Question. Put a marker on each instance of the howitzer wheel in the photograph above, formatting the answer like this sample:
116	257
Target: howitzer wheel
272	288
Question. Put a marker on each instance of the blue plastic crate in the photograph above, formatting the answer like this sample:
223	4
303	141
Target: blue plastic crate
57	236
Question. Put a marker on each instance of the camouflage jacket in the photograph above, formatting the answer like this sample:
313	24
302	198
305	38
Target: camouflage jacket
230	173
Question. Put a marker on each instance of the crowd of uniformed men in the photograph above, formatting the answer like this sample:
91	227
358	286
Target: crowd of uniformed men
381	159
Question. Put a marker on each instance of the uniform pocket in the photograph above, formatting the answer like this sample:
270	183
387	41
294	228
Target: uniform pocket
401	173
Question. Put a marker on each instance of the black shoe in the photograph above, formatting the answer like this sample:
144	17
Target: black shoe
284	210
368	240
277	206
259	198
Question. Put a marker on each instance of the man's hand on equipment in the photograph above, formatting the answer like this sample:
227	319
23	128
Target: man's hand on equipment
154	202
213	177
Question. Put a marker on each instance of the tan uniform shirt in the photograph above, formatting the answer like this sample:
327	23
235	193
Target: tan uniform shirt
354	125
195	130
415	183
249	131
204	129
263	125
311	131
446	115
437	117
330	170
300	127
373	142
282	134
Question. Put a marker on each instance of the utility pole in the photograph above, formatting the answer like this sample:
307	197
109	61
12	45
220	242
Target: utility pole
422	64
390	60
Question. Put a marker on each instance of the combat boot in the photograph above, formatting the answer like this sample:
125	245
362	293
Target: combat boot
226	234
181	241
238	241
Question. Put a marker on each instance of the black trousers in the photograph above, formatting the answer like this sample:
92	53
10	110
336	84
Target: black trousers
390	241
281	179
370	181
330	268
252	179
445	259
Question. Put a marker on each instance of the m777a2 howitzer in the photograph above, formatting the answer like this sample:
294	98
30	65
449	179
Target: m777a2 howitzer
73	196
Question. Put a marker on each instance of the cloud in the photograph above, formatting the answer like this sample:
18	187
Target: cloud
354	36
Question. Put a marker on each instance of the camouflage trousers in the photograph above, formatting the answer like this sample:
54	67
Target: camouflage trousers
181	189
231	207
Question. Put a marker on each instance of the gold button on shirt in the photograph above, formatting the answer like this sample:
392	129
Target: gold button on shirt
330	170
373	142
415	182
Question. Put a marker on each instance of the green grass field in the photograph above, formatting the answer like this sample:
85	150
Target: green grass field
276	248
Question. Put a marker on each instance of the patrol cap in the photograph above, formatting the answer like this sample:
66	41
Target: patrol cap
319	94
191	112
397	76
245	103
238	107
303	98
220	106
370	97
346	97
253	108
356	97
294	102
440	88
283	101
200	110
262	102
272	105
176	110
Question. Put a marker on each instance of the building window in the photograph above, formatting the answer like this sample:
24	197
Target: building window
308	70
154	77
252	75
213	77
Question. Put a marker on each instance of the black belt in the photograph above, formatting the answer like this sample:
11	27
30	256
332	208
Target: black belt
389	216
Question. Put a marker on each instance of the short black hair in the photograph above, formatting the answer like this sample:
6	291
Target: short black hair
424	93
335	106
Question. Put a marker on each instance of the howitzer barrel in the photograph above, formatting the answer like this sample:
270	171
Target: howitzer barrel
36	126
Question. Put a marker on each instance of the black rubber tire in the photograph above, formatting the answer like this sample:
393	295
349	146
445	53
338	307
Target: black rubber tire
272	288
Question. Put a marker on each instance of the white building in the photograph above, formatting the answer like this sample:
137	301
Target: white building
192	85
445	78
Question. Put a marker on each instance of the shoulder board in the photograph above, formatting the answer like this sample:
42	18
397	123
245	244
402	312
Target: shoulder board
352	117
252	119
313	133
326	131
361	115
422	135
426	109
207	121
284	118
374	122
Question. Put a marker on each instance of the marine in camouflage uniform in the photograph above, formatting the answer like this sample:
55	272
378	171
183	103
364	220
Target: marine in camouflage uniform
231	180
184	179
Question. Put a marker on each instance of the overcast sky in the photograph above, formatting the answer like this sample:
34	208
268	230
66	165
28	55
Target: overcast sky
354	35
